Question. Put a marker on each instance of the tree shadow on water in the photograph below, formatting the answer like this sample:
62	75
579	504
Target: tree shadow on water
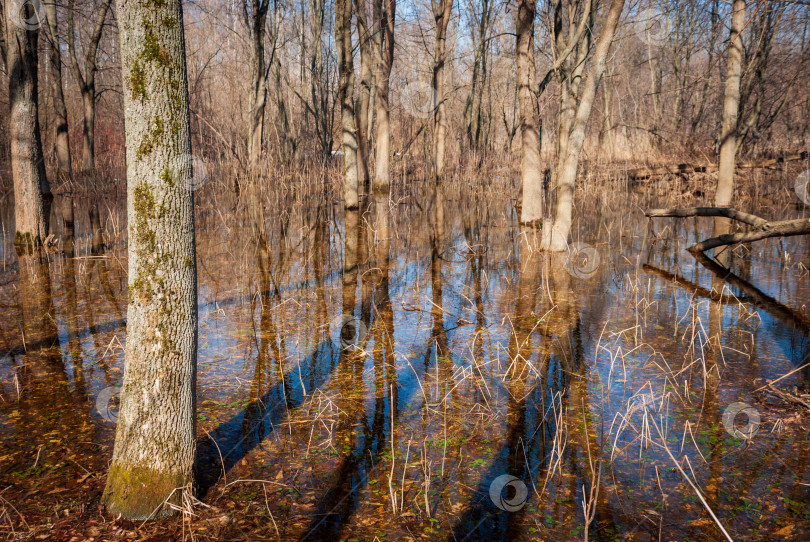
231	441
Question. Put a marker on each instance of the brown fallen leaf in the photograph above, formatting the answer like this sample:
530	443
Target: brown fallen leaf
784	531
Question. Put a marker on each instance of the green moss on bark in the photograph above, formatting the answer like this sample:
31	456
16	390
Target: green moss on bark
153	138
137	83
139	493
26	240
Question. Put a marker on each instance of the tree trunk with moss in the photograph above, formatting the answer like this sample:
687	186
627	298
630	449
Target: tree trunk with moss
32	193
155	438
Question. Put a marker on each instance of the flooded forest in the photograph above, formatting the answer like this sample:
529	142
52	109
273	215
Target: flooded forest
383	270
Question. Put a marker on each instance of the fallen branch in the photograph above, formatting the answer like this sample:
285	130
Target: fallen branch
763	229
726	212
770	382
785	228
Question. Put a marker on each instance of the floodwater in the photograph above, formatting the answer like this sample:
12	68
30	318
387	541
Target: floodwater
415	370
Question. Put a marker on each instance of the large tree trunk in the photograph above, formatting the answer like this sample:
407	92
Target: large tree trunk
32	193
557	239
731	104
343	42
57	94
155	440
530	168
383	36
258	73
441	14
87	80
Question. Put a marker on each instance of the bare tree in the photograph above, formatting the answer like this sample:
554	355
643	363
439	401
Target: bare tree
363	103
155	441
557	238
441	15
572	43
255	14
87	78
731	102
707	77
473	112
320	77
290	144
62	140
383	49
32	193
761	103
348	123
530	139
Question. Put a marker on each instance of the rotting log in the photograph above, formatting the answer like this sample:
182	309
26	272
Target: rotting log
679	169
763	229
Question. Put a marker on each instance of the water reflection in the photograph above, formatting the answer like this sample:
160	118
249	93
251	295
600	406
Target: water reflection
468	354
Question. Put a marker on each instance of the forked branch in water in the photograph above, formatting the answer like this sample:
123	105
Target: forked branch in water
763	229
